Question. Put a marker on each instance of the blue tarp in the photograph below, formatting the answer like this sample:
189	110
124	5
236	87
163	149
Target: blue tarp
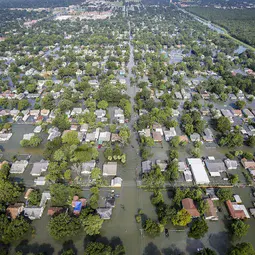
78	206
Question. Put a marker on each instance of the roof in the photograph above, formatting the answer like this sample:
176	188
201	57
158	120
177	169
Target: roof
77	205
18	167
237	199
54	210
235	214
189	205
146	166
33	212
230	164
248	164
157	136
38	168
187	176
110	168
15	210
117	181
198	171
105	136
105	212
211	211
215	165
88	166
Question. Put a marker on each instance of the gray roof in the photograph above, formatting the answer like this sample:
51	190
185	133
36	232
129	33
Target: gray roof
105	136
88	166
105	212
39	167
18	167
110	168
215	165
146	166
230	164
33	212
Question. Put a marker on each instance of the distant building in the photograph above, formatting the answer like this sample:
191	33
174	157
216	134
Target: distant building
189	205
237	211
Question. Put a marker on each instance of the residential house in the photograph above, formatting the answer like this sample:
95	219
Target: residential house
187	176
157	137
237	211
146	166
248	164
76	111
105	212
38	129
116	182
84	127
110	169
104	137
211	211
195	137
119	115
162	164
208	135
115	138
169	134
248	113
230	164
145	132
19	167
215	167
33	213
54	210
78	204
40	181
189	205
28	136
5	137
210	192
90	137
39	167
15	210
88	166
100	113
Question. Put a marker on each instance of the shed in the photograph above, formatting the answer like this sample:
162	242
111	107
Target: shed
116	182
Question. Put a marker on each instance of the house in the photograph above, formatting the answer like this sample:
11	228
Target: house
28	136
105	212
187	176
178	95
195	137
90	137
115	138
74	127
40	181
100	113
226	113
77	204
110	169
237	211
38	129
116	182
248	113
119	115
162	164
76	111
211	211
19	167
184	139
248	164
104	137
84	127
238	199
5	137
39	167
211	194
198	171
33	213
45	112
182	166
146	166
230	164
237	113
145	132
88	166
15	210
54	210
189	205
157	137
208	135
169	134
215	167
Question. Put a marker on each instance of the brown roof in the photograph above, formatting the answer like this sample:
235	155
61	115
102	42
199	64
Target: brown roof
235	214
28	193
54	210
211	211
248	164
15	210
189	205
184	138
115	137
157	136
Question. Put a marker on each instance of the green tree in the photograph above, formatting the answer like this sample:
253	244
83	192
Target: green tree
9	191
189	129
96	248
198	229
48	102
23	104
35	141
64	226
251	141
175	141
239	229
70	138
182	218
61	121
223	124
240	104
242	249
224	194
154	179
92	224
124	134
34	197
102	104
152	228
234	179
